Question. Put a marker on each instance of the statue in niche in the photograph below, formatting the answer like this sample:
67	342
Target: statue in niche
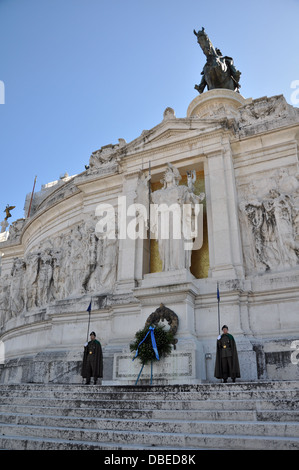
219	71
171	215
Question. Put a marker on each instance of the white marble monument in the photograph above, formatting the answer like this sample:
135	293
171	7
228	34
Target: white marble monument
90	237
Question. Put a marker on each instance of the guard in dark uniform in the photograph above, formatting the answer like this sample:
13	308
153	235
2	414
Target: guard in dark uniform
92	360
227	361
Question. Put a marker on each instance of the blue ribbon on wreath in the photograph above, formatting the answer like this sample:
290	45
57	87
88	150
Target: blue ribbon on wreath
151	331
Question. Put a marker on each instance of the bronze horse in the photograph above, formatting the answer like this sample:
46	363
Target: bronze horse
219	71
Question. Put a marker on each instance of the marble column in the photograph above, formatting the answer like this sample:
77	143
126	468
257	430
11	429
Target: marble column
225	250
127	246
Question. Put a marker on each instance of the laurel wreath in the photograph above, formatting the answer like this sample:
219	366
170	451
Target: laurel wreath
164	341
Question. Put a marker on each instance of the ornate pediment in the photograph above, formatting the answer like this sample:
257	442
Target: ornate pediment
168	134
171	131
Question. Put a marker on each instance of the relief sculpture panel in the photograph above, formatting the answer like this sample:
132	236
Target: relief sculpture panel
270	224
70	264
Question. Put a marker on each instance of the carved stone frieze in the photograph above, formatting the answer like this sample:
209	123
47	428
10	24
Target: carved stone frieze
70	264
107	157
270	225
266	113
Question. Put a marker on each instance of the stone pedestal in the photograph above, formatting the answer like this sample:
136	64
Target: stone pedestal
217	104
167	278
178	368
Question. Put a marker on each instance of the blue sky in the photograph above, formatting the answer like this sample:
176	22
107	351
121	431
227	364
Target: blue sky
80	74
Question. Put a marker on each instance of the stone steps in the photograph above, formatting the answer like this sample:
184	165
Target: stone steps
159	405
258	428
242	412
146	441
206	416
260	410
135	413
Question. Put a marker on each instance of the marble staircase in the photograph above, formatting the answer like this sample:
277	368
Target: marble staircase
263	415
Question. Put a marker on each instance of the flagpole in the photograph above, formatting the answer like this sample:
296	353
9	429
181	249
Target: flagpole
29	210
89	310
218	298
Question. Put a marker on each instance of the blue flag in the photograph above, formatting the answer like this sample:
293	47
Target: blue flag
218	294
89	308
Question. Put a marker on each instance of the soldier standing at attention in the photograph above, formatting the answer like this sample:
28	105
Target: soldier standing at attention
92	360
227	362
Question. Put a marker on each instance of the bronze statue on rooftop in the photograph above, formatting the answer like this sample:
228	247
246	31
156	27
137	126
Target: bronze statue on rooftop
7	210
219	71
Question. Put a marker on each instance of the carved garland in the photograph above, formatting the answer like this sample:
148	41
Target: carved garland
164	313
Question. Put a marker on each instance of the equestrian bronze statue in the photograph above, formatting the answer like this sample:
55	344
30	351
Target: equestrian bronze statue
219	71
